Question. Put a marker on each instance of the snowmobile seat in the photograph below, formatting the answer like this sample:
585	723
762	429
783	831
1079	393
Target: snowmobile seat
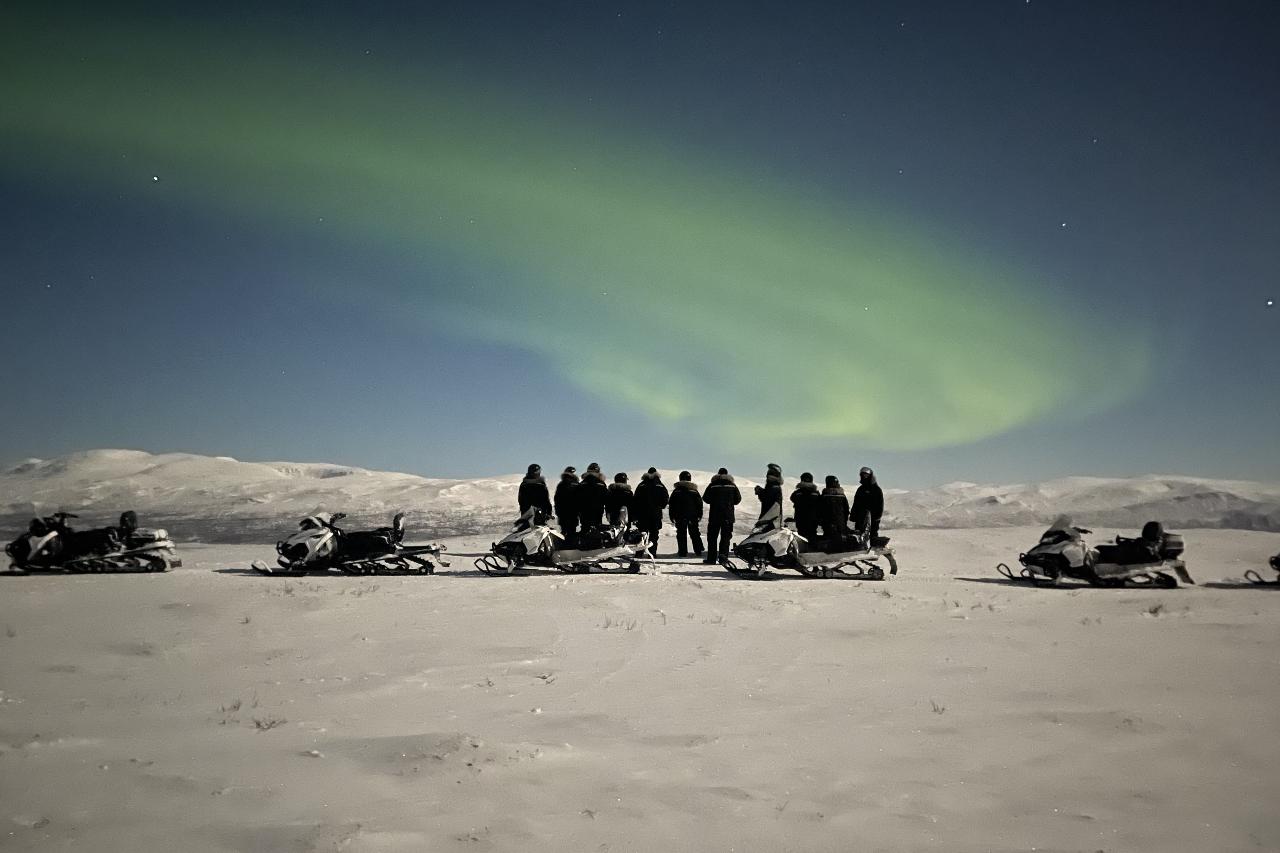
595	538
367	543
100	541
1128	552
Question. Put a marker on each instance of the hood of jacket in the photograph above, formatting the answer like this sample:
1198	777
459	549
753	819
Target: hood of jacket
811	488
593	476
620	487
773	480
722	480
535	479
655	477
686	485
568	478
833	490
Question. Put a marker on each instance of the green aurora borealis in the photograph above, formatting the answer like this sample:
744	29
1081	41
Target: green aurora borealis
663	279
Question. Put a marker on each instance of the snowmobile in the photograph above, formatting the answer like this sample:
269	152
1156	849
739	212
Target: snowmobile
1253	577
50	545
1063	552
320	545
773	545
534	543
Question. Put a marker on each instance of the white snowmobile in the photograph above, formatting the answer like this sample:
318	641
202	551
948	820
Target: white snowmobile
320	545
50	545
1253	577
1063	552
534	543
773	545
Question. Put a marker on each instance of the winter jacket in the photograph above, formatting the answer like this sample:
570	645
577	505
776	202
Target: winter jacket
566	496
533	492
807	501
590	496
868	503
650	500
619	497
722	496
770	493
686	502
835	509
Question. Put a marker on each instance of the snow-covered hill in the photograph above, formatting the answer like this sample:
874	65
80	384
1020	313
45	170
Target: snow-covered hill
222	499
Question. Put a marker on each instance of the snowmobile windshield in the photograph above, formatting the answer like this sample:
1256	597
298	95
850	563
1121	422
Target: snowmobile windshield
770	519
1063	523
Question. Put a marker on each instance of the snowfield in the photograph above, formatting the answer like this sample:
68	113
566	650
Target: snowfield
218	499
944	710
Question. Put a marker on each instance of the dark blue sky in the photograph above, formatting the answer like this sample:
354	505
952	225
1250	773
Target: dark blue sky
1116	162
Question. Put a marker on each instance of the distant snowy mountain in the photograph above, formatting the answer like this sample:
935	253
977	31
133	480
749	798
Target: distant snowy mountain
222	499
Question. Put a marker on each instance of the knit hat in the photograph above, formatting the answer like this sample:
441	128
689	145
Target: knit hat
774	468
620	477
569	469
723	471
594	466
806	477
685	475
652	471
535	469
832	481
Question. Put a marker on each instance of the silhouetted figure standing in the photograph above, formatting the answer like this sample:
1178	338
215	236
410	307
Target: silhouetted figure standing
685	510
771	492
591	495
619	498
650	500
868	505
533	492
566	501
835	514
807	503
721	496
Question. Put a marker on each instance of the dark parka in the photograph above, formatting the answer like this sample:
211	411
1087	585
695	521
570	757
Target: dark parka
533	492
868	504
835	508
807	501
721	496
770	493
619	497
591	495
566	496
650	500
686	502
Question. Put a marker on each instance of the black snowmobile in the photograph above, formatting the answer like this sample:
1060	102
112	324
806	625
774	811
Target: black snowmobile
51	545
774	545
1152	559
320	545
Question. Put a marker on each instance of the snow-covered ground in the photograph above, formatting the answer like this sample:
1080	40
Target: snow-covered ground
213	710
217	499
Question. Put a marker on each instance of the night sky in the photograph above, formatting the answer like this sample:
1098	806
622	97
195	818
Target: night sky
953	240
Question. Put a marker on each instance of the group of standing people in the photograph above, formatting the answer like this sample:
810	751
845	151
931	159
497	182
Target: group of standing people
582	504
